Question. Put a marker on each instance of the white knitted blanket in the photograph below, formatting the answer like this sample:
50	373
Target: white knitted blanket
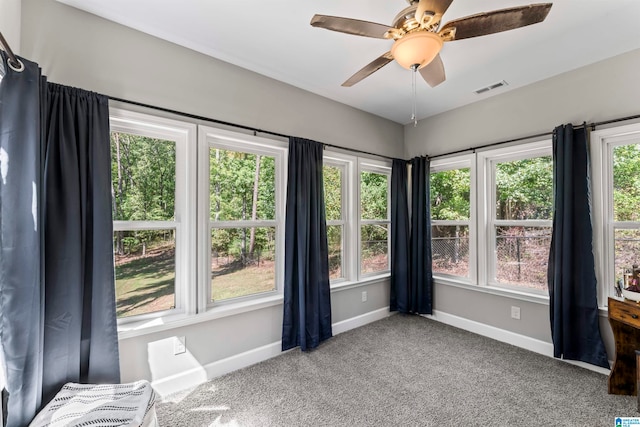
104	405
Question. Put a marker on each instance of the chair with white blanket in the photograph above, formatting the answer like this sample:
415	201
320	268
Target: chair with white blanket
131	405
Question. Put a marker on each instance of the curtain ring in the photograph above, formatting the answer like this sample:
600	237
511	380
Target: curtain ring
17	68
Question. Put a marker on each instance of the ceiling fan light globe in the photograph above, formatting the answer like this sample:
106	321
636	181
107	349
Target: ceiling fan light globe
416	48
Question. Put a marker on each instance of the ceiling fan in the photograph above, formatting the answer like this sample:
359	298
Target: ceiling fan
418	36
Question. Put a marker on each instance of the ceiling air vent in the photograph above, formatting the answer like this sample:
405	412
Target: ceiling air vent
491	87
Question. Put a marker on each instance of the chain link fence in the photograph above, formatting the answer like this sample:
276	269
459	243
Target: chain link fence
243	259
521	259
450	255
627	251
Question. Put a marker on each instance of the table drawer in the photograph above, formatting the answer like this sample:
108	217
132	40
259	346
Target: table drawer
624	311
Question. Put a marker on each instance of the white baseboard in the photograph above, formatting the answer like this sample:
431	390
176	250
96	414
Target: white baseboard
523	341
199	375
196	376
361	320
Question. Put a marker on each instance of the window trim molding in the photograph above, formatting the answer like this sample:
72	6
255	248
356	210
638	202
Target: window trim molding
209	137
184	136
384	168
452	163
348	165
487	223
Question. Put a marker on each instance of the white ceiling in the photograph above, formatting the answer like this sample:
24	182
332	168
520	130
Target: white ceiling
274	38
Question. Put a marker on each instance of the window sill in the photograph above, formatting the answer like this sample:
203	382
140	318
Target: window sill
143	327
365	281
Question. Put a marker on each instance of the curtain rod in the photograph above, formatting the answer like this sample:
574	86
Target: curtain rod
493	144
539	135
222	122
13	61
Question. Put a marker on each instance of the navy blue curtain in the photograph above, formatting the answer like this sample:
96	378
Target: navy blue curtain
57	294
421	277
399	300
21	224
80	327
307	299
571	278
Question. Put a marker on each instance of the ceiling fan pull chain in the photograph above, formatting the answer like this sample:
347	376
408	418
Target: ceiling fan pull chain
414	110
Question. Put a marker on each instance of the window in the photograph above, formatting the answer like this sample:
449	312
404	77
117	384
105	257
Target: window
616	191
503	240
338	176
150	186
625	177
198	217
242	206
333	182
375	182
453	218
518	200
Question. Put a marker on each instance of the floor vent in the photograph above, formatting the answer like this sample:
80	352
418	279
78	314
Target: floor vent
491	87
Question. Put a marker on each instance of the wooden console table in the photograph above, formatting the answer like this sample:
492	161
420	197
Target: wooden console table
624	318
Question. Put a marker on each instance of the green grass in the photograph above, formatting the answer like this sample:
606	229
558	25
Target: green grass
145	284
234	280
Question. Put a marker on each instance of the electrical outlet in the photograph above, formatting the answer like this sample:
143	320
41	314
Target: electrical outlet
515	312
179	345
364	296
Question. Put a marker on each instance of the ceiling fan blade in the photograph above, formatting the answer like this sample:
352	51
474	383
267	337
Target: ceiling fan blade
439	7
433	72
496	21
350	26
369	69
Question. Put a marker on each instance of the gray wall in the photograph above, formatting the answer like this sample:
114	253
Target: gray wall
602	91
82	50
10	23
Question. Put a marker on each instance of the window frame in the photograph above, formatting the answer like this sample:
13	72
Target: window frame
602	145
210	137
453	163
488	223
348	207
384	168
184	136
